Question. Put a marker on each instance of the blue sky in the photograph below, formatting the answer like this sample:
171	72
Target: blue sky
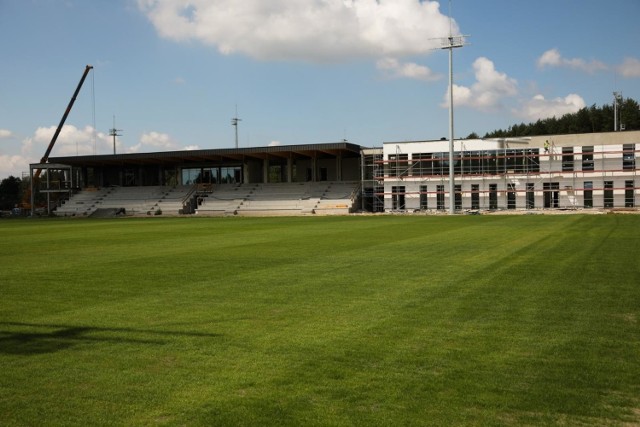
299	71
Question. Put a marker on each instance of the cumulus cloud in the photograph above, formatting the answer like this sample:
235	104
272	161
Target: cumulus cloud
155	141
540	108
5	134
71	141
274	143
487	92
395	69
307	30
630	68
13	165
553	58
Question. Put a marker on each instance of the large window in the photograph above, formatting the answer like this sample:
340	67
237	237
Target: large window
440	197
398	164
628	156
422	165
493	196
629	194
531	195
475	196
511	196
608	194
209	175
458	195
588	194
551	194
587	158
423	197
567	158
398	197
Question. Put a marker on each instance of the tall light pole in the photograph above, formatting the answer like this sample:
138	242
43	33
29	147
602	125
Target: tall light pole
114	132
234	123
451	43
616	97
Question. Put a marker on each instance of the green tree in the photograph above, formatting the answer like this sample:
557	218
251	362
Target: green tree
10	192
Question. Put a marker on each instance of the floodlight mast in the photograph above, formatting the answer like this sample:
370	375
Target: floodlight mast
234	123
617	96
114	133
451	43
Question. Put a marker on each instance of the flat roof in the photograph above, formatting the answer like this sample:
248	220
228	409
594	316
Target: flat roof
221	155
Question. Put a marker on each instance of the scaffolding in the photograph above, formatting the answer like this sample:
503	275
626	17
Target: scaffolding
556	177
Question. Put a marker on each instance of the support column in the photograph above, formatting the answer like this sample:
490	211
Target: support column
265	171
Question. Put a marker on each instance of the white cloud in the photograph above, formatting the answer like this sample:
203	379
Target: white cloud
630	68
487	92
5	134
274	143
307	30
540	108
156	141
13	166
396	69
71	141
553	58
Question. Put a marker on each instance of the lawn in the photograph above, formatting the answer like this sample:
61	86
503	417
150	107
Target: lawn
379	320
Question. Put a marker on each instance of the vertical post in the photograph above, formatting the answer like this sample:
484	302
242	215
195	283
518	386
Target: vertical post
615	111
234	123
452	201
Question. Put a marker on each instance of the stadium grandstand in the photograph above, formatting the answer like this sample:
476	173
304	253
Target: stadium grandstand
596	171
277	180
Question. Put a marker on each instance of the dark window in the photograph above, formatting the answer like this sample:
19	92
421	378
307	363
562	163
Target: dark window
608	194
398	165
588	194
440	197
531	195
422	164
587	158
398	197
551	194
423	197
475	196
629	194
567	158
493	196
628	156
458	195
532	160
511	196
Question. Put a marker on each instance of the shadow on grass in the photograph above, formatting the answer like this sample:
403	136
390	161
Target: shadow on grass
47	338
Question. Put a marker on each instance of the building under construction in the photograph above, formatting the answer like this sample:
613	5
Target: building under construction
569	172
580	171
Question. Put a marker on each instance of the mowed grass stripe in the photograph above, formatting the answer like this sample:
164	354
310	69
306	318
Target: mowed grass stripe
340	321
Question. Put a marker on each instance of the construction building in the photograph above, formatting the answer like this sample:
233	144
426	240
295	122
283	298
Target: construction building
569	172
579	171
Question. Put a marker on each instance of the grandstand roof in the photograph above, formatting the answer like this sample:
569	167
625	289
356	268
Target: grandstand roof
223	155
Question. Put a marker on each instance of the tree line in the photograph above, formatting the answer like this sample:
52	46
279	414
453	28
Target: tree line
586	120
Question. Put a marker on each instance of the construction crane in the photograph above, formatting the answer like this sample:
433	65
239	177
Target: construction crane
26	202
45	158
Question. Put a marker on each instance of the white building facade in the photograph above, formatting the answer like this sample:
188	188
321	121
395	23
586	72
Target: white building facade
580	171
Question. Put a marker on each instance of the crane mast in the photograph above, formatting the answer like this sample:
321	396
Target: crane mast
64	119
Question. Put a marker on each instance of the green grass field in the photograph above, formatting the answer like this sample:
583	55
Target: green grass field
381	320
